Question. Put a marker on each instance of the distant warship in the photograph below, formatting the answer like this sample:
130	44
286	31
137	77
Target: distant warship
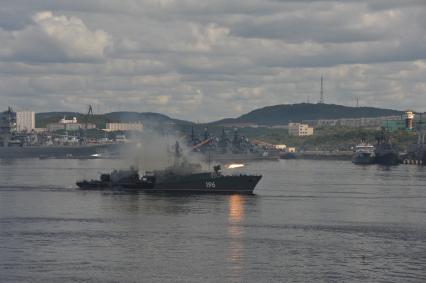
15	145
385	154
223	149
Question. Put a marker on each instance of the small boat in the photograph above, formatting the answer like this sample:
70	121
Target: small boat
364	154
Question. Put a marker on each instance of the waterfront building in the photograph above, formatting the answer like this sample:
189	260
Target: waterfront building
113	127
407	122
367	122
68	125
298	129
53	127
280	146
68	121
25	121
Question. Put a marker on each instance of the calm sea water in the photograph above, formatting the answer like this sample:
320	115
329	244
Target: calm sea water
310	221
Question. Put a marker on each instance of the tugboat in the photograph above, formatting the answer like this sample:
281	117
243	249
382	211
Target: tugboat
385	154
182	177
364	154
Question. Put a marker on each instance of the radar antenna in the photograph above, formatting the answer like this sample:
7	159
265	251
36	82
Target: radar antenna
322	92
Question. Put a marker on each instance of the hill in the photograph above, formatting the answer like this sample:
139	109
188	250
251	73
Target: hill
285	113
148	118
268	116
145	117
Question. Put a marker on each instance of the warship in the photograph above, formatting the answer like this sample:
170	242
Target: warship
171	180
223	149
385	154
181	177
14	144
85	151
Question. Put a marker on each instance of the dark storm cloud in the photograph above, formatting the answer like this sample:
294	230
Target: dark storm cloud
203	60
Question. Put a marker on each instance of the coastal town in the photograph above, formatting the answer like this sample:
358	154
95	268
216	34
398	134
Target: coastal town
317	139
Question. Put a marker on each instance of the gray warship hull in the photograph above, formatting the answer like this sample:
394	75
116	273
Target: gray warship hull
363	158
77	151
387	159
205	183
386	155
193	184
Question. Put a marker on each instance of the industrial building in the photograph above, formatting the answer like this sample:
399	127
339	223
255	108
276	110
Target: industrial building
25	121
114	127
300	130
372	122
406	122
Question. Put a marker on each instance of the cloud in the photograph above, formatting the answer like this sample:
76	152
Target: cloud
55	39
204	60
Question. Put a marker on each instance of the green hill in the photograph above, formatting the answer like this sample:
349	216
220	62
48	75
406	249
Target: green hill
268	116
285	113
148	118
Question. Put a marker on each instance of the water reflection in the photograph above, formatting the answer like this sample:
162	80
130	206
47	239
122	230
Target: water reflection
236	209
236	235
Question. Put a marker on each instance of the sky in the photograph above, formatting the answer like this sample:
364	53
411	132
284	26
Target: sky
204	60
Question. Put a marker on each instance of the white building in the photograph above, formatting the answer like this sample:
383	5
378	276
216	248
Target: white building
25	121
68	125
112	127
298	129
65	121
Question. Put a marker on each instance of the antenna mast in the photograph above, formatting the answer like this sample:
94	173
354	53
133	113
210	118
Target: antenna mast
322	92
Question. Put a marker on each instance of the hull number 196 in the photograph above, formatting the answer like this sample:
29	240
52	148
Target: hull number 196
210	185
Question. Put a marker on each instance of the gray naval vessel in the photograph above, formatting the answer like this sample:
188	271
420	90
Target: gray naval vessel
54	151
385	153
181	177
14	145
174	181
224	149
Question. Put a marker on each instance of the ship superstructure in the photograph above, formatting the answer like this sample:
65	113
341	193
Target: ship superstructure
364	153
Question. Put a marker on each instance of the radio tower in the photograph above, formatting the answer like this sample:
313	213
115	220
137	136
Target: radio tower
322	92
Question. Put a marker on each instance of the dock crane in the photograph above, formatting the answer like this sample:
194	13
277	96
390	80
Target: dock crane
89	113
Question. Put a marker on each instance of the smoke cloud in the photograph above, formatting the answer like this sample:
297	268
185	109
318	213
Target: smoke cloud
154	149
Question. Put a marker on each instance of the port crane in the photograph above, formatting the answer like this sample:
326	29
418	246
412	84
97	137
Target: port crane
89	113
